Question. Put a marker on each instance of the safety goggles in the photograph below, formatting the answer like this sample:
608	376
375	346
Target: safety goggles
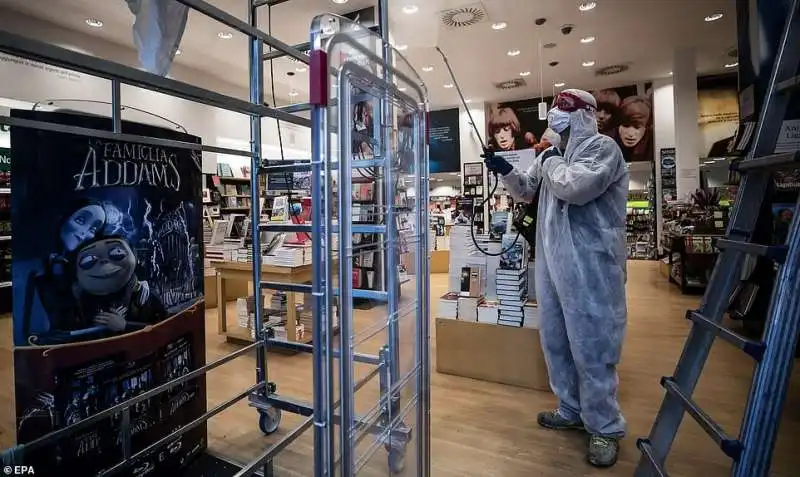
569	103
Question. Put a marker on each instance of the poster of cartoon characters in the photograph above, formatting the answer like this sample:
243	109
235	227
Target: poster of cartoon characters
108	290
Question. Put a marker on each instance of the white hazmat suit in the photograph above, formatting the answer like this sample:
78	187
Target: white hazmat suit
580	269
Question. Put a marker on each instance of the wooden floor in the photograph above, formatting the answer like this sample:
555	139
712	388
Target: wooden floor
489	430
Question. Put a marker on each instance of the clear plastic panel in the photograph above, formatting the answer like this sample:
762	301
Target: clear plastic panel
375	161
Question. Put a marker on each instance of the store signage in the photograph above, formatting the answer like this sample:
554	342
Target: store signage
668	175
108	293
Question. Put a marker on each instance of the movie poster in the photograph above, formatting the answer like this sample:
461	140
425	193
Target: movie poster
718	114
514	127
108	293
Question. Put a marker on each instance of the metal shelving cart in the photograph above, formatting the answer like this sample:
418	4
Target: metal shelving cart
349	64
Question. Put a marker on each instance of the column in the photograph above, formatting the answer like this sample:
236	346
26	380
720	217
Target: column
687	133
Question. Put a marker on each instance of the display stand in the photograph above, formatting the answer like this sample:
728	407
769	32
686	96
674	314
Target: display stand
691	260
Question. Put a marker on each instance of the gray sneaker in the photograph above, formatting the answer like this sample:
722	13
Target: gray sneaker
554	420
603	451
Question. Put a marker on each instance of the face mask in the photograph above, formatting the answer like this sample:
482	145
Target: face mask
558	120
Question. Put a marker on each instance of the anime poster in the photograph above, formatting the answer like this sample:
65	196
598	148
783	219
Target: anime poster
108	294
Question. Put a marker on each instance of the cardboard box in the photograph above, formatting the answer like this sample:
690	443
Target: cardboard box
489	352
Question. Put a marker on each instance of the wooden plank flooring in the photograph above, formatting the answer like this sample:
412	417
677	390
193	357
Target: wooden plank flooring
489	430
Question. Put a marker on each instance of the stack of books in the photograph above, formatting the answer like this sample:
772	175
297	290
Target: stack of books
488	312
448	306
287	256
511	282
531	315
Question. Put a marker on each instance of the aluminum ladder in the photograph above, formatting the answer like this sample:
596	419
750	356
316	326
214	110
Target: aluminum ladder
751	452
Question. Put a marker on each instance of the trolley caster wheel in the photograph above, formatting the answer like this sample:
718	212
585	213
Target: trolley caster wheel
269	420
397	461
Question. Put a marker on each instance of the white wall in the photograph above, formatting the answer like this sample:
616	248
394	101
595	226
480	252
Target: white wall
28	81
664	135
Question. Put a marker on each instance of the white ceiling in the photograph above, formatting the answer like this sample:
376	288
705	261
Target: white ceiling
642	34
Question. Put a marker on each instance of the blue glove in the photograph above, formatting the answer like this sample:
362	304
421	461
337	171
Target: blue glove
552	152
496	164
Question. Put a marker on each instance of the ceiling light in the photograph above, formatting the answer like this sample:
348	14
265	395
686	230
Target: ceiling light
301	69
559	85
586	6
732	65
513	53
340	2
448	85
714	17
225	35
177	52
499	25
410	9
467	100
293	93
670	73
587	39
427	68
525	73
94	22
401	47
588	63
402	90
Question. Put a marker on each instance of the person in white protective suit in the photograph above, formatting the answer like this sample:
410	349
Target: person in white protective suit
580	269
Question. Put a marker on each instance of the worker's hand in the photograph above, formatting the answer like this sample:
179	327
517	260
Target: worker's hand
496	164
552	152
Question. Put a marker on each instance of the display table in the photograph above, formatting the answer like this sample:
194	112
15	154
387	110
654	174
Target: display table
496	353
243	272
440	261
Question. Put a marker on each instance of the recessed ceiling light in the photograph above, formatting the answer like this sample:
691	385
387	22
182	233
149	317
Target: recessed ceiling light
410	9
340	2
293	93
225	35
94	22
467	100
427	68
559	85
513	53
670	73
401	47
401	89
732	65
301	69
525	73
499	25
714	17
586	6
588	63
448	85
587	39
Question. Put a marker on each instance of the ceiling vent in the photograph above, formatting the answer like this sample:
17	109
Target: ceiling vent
465	16
611	70
511	84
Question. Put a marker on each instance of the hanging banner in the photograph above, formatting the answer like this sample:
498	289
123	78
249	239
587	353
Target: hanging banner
108	293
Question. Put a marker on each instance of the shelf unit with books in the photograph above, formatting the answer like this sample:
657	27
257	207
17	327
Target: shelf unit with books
5	230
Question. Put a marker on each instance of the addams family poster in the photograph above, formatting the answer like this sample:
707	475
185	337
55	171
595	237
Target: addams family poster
107	273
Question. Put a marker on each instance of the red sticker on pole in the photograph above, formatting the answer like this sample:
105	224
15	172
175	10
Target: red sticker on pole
319	77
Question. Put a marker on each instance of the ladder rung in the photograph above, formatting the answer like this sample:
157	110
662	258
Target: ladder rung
297	167
731	447
753	348
286	287
297	228
788	85
363	229
772	161
772	252
373	295
646	448
364	163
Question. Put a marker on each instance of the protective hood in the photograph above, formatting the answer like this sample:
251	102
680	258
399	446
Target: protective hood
582	123
157	32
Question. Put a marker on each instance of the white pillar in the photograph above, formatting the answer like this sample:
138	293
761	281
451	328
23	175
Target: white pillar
687	133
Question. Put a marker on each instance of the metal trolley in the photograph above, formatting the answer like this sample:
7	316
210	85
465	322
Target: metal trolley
349	66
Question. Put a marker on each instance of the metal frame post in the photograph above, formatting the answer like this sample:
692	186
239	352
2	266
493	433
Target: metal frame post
256	97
